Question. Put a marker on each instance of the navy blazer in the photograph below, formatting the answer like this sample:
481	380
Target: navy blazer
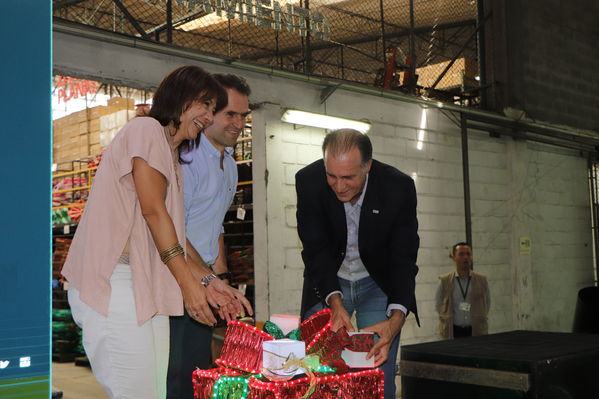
387	238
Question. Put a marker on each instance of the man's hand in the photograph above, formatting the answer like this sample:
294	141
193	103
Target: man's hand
339	316
386	330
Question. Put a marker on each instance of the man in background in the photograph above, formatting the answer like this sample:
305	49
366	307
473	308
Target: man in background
463	298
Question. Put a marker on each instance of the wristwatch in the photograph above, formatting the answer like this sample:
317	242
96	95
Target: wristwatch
208	279
225	276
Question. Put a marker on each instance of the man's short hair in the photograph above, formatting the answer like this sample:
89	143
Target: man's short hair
459	244
342	141
229	81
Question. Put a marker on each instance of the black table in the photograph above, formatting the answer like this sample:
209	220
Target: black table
515	364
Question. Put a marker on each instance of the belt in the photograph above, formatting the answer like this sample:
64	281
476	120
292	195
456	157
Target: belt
124	258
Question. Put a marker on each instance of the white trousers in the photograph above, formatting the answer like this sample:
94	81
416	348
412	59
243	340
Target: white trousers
130	361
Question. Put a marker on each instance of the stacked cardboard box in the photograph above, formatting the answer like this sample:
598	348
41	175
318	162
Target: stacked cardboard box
86	132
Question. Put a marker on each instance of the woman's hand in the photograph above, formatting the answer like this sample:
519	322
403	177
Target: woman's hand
195	299
228	301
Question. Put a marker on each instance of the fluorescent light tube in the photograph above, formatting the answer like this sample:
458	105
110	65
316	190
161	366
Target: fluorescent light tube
323	121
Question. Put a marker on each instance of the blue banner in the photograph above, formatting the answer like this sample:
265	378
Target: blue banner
25	267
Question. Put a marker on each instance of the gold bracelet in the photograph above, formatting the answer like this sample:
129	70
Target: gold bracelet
171	255
174	254
170	252
165	250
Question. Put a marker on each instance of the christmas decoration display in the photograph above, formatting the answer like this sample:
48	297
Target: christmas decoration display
278	333
285	323
242	349
316	327
70	189
277	356
330	347
76	212
362	384
241	374
224	384
354	354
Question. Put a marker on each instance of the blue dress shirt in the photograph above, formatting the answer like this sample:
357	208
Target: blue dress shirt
209	192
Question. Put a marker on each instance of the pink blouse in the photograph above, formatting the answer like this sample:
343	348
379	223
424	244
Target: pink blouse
112	215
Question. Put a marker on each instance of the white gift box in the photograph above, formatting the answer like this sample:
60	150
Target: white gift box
357	360
277	352
285	322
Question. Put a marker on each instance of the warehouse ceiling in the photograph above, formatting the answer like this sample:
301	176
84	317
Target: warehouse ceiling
333	38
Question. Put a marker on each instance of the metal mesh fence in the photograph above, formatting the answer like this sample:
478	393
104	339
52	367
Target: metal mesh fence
415	46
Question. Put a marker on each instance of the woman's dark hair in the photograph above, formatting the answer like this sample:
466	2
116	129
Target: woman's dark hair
176	93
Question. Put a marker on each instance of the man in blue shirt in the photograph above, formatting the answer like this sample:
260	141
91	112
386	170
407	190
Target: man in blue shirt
210	182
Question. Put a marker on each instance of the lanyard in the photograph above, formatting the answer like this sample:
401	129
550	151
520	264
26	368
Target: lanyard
467	286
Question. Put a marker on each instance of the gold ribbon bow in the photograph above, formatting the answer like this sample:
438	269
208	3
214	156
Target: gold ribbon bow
309	363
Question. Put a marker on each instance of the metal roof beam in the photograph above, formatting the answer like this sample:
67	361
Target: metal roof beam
65	3
131	19
184	19
536	129
539	138
357	15
366	39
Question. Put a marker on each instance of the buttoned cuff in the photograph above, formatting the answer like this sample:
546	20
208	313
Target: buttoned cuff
326	300
396	306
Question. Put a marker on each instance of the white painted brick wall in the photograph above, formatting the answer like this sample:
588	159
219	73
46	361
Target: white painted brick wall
548	202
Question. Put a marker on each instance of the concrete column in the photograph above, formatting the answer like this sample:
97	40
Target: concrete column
260	176
521	265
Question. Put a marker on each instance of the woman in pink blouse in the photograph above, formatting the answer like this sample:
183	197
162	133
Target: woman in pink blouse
127	266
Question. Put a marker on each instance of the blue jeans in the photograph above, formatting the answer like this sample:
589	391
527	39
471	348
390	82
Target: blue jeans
370	304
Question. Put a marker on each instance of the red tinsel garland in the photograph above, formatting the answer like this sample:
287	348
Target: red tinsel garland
204	380
362	384
242	349
315	324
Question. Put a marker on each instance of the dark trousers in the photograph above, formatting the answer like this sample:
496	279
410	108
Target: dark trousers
461	332
190	344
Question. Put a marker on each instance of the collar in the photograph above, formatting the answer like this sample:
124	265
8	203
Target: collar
206	145
457	275
360	200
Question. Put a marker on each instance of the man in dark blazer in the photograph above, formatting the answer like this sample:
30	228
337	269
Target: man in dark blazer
357	222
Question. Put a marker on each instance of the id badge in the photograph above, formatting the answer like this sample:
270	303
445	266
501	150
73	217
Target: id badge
465	306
